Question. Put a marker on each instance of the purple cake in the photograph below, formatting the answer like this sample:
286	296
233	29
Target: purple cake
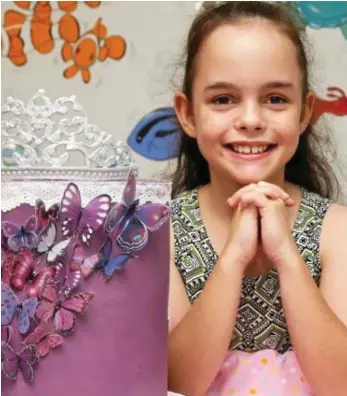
85	274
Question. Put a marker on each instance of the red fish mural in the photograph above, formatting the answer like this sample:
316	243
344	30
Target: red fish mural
83	48
337	106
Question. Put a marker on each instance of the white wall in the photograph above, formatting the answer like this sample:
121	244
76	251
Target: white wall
121	92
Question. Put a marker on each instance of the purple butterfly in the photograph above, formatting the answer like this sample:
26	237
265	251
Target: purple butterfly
109	266
66	280
10	306
130	222
12	361
21	236
82	221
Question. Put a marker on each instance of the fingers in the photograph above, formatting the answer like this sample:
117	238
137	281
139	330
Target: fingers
247	209
274	192
268	190
236	197
253	198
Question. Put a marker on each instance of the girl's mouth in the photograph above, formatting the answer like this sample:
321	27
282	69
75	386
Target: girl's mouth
253	152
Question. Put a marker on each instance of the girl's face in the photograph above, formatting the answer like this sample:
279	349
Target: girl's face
247	111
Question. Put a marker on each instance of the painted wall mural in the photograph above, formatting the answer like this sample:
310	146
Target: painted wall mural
53	24
323	15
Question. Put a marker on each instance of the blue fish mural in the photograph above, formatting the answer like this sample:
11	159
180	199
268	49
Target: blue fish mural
156	135
320	14
323	14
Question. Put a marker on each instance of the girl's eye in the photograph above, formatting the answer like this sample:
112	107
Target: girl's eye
275	99
222	100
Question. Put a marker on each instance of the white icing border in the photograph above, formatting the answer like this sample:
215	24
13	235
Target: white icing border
15	193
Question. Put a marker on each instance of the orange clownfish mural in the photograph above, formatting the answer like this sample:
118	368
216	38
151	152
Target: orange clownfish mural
83	48
94	45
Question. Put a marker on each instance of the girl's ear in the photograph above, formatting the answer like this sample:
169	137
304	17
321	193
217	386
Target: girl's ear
307	111
184	113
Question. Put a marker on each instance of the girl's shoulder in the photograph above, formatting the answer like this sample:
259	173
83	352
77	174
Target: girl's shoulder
330	216
327	209
313	206
315	200
185	199
333	253
335	224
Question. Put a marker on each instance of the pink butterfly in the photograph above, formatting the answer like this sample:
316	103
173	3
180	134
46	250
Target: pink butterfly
21	273
54	306
22	269
44	216
82	221
6	333
7	264
44	339
84	264
12	361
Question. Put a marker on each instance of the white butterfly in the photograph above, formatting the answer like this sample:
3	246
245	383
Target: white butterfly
46	244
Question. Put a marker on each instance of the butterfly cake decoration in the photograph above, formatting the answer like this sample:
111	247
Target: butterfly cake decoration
54	249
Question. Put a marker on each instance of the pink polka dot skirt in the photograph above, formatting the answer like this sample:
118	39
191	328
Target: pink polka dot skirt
263	373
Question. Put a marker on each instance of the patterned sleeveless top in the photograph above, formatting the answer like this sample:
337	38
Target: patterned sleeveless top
260	322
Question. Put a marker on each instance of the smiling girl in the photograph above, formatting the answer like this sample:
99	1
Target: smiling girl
258	303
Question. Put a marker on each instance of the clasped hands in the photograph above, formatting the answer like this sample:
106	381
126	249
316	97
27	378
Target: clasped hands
261	219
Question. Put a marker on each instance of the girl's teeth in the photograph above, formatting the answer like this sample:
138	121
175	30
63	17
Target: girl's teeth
250	149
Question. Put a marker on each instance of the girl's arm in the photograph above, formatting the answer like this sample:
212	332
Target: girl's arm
317	319
200	334
199	343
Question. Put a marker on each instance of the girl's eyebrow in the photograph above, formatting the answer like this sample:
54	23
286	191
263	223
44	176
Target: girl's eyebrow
220	85
279	84
228	85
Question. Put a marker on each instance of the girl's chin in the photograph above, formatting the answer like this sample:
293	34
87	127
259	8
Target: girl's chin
245	179
249	174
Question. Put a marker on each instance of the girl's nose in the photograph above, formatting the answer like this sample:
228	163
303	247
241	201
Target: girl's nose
250	119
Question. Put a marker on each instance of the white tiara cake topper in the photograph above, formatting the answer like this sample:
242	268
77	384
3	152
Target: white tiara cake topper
53	139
